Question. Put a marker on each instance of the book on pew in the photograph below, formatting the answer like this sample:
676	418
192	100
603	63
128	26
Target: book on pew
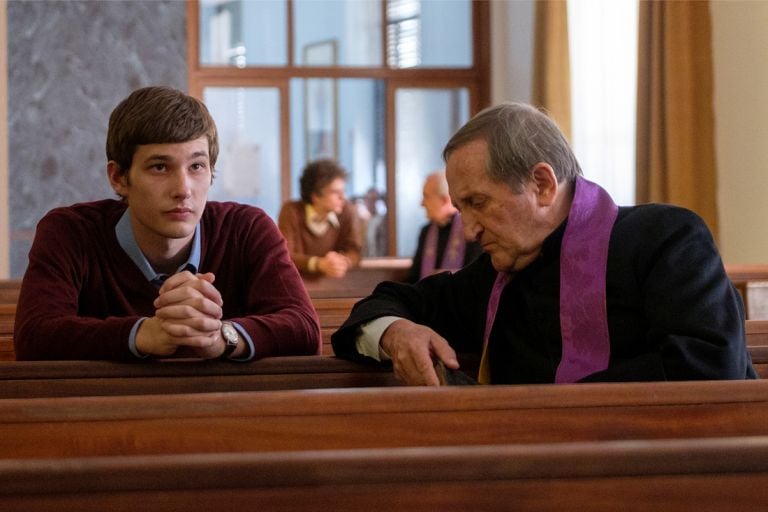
449	377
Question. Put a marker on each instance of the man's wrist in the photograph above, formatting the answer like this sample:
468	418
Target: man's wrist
312	264
231	339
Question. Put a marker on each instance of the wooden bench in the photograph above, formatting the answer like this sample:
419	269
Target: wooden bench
7	317
332	311
378	418
37	379
9	291
752	283
680	475
360	281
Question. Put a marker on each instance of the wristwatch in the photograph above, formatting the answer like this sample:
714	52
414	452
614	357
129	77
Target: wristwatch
230	337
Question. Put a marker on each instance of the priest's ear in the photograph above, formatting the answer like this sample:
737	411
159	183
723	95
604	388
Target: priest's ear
546	183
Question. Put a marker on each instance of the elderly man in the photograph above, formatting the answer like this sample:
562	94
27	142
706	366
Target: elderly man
571	287
441	241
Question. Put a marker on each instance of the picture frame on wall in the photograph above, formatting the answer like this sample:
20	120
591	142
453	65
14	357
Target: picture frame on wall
320	103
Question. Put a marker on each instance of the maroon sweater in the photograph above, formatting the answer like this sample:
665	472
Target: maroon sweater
82	294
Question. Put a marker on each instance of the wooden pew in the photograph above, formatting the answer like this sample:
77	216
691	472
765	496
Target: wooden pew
332	311
9	291
367	418
7	316
359	282
37	379
752	283
705	475
757	344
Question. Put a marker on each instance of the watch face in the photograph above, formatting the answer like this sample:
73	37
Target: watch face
229	333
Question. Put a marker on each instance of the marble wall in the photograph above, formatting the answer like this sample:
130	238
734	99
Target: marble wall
69	64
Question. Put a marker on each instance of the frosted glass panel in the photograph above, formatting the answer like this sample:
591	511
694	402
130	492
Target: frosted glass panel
337	32
248	168
425	120
243	33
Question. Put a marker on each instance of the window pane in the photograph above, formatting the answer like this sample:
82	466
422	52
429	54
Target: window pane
243	33
356	127
337	32
429	33
425	120
604	91
248	168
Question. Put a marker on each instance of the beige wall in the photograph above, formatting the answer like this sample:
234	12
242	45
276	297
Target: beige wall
4	222
740	45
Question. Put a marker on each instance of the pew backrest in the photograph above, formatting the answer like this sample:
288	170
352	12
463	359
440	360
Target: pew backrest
378	418
671	475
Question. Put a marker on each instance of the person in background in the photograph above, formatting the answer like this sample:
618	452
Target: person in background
162	272
322	228
570	287
441	242
372	214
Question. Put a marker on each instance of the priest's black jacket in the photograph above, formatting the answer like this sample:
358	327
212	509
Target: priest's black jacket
673	313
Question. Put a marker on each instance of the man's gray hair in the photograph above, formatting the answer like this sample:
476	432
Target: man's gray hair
519	136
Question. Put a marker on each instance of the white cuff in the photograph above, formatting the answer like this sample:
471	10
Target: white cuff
369	336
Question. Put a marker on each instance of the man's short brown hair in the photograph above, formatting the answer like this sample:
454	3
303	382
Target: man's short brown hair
158	115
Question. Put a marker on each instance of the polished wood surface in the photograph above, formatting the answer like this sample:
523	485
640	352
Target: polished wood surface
704	475
358	282
378	418
37	379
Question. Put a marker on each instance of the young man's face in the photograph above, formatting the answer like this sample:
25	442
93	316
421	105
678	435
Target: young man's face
166	189
331	198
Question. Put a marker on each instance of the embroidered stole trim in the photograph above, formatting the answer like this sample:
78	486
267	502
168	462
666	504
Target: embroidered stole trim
583	311
453	256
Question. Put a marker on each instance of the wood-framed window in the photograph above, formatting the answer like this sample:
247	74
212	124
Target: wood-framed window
379	85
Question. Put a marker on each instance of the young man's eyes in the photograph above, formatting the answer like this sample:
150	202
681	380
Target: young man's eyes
162	167
198	167
158	167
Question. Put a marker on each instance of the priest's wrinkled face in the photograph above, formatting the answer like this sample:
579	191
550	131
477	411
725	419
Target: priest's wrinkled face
510	225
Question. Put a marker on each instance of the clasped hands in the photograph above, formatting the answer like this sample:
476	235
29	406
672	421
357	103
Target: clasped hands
413	349
188	311
333	264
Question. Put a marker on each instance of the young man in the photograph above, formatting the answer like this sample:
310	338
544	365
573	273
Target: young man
441	242
570	286
161	272
322	228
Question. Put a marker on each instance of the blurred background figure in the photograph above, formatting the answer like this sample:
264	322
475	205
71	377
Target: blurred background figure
372	211
441	241
322	228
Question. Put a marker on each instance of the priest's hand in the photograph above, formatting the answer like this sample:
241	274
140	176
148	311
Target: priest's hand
413	348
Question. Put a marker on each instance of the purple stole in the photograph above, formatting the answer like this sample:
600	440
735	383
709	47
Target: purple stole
453	257
583	312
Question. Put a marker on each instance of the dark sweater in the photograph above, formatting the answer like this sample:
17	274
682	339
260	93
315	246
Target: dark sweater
82	294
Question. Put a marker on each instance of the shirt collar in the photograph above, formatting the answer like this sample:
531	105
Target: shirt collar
312	217
127	241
